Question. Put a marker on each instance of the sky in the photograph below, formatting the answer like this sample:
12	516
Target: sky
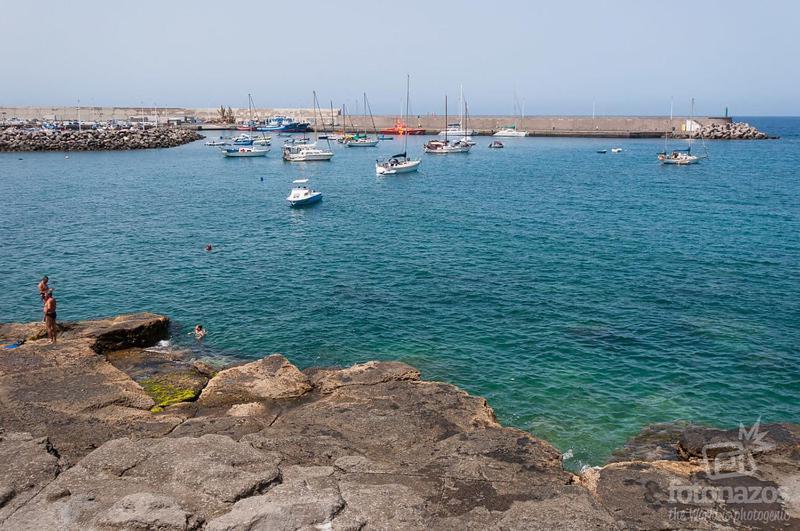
624	57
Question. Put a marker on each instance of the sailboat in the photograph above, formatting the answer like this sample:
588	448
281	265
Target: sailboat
456	129
682	157
364	141
511	130
307	151
399	163
444	147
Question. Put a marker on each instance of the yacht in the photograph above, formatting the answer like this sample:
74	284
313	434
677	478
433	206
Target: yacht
302	195
444	147
399	163
362	139
455	129
305	153
682	157
242	140
510	131
262	141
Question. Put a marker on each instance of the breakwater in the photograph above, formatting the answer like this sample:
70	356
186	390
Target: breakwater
16	139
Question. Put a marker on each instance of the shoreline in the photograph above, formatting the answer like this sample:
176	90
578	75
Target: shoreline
116	435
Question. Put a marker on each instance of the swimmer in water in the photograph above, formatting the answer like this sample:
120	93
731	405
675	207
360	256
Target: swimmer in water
209	248
199	332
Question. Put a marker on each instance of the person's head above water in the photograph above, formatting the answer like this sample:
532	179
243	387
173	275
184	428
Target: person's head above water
45	278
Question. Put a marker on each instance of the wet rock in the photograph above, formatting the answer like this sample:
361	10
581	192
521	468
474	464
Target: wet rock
270	378
370	373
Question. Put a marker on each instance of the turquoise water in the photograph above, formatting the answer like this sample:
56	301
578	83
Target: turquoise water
583	295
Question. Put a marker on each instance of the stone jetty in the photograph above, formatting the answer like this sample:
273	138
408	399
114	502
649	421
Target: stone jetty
731	131
101	432
18	139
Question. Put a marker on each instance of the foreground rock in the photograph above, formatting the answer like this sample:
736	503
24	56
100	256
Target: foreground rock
13	139
266	446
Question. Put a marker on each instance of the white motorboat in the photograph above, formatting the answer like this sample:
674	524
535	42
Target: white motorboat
510	131
262	141
244	151
616	150
305	153
456	130
302	195
216	143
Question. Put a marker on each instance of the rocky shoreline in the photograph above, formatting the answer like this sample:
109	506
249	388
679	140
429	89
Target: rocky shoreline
16	139
102	432
731	131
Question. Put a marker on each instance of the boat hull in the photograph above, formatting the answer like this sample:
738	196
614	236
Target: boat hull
306	201
510	133
357	143
404	167
308	157
254	153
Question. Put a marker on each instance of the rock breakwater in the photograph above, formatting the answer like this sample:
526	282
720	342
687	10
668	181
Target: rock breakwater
265	445
731	131
16	139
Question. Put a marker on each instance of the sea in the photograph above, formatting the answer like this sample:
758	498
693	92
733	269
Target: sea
584	295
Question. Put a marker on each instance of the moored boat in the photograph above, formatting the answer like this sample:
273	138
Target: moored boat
496	144
244	151
400	128
510	131
302	195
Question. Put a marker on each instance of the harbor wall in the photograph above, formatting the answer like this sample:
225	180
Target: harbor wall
622	126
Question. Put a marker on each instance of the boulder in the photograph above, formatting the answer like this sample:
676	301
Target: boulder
29	464
270	378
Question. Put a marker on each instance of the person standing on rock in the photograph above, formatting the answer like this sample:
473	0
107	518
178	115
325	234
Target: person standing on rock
44	288
50	315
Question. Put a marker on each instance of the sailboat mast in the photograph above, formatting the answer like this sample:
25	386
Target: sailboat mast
405	121
691	123
445	118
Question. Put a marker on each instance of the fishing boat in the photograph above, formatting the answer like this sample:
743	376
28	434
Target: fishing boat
244	151
301	150
363	140
302	195
496	144
400	128
283	124
445	147
399	163
682	157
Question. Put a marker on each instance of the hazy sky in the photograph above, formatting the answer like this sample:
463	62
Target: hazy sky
628	56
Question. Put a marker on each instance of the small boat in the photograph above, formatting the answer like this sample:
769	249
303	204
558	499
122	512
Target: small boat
244	151
395	164
262	141
242	140
510	131
324	137
496	145
680	157
296	152
215	143
445	147
385	137
616	150
602	151
302	195
362	142
455	129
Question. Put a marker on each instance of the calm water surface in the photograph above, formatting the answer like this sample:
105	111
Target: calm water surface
583	295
